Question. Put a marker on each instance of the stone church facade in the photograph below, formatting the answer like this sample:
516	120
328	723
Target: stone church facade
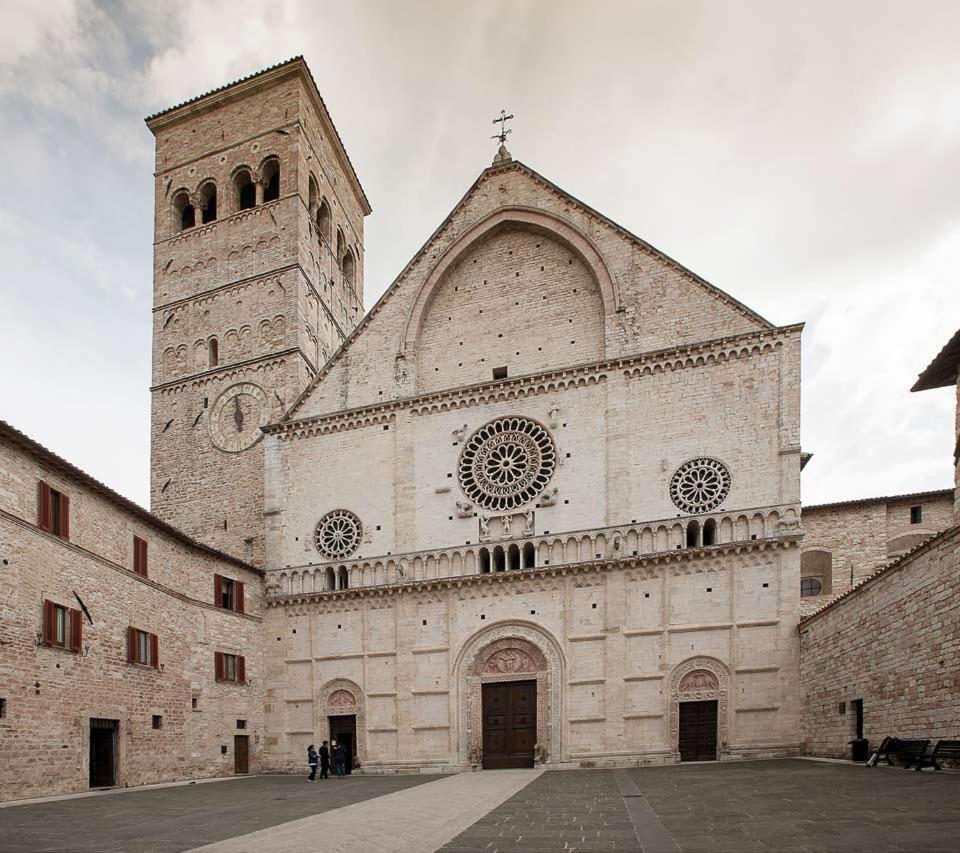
539	505
542	502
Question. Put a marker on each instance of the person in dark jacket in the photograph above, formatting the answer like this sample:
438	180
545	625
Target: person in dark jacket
340	760
324	761
312	763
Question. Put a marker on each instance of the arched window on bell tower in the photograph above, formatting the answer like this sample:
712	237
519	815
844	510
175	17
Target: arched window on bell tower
349	267
208	202
213	352
184	215
245	191
271	180
324	220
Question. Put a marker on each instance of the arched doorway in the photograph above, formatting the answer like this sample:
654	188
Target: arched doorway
699	709
341	718
509	697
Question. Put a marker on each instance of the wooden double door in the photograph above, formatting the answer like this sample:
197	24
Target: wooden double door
509	724
698	731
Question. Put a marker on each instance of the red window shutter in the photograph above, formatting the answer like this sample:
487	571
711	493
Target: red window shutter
218	590
155	650
239	594
64	517
140	556
48	622
76	630
218	665
44	517
241	669
131	645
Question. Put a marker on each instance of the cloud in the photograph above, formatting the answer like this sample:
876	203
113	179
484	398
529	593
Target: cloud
807	160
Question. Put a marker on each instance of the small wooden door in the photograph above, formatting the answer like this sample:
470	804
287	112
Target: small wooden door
509	724
241	754
103	753
698	731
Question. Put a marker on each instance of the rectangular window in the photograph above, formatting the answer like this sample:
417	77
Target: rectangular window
142	648
157	721
53	511
499	373
916	514
3	708
62	626
228	593
194	703
140	556
241	724
230	667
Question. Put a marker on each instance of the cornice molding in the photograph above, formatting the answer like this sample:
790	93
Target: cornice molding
703	353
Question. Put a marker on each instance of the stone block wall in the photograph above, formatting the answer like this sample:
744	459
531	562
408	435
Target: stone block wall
50	694
894	643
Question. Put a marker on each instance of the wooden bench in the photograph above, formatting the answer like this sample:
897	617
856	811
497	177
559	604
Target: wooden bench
909	751
945	749
882	752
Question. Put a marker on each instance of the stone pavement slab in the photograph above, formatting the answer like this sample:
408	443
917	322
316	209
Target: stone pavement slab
563	810
799	805
418	820
173	819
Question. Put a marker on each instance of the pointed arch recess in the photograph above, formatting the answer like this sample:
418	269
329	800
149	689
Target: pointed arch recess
532	218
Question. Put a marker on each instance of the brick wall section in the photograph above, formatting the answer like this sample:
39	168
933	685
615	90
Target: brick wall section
51	694
864	535
894	642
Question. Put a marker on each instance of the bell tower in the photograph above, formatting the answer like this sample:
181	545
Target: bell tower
257	279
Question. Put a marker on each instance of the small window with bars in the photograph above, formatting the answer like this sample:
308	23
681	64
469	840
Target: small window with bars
62	626
142	648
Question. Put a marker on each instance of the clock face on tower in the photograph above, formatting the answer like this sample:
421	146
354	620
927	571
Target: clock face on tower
237	416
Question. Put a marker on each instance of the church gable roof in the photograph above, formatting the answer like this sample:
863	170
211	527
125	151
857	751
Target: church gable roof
528	191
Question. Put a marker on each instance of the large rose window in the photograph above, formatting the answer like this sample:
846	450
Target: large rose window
700	485
337	534
507	463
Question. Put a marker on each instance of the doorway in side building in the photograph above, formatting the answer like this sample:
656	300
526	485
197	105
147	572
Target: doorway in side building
241	754
343	730
103	752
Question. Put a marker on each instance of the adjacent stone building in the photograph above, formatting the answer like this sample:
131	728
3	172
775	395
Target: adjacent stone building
883	657
846	542
129	653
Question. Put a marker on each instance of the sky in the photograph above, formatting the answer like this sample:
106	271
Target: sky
803	157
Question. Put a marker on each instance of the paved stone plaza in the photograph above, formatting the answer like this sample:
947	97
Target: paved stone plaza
784	805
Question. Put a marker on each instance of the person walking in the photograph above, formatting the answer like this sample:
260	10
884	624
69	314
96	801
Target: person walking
340	760
324	761
312	763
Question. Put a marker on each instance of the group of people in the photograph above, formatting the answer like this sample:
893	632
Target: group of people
322	758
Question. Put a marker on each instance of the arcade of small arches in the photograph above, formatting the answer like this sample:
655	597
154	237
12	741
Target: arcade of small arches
248	188
620	542
345	255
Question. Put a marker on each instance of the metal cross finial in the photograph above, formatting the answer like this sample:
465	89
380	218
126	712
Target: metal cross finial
502	120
